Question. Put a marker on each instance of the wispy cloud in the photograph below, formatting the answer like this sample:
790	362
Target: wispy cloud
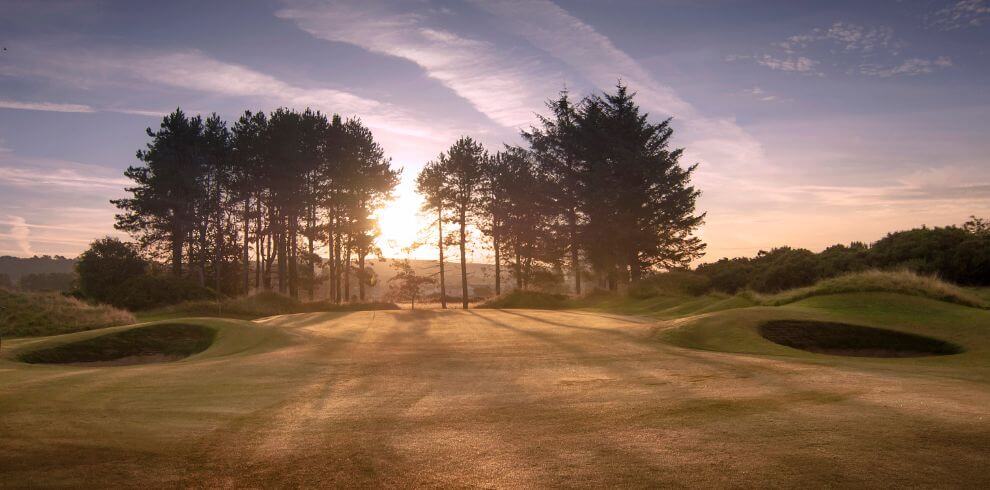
196	71
847	37
961	14
909	67
44	106
799	64
852	48
506	85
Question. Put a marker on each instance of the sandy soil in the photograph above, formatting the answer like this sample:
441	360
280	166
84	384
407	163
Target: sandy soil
484	398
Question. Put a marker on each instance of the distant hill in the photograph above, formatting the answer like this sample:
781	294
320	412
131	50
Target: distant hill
16	267
481	279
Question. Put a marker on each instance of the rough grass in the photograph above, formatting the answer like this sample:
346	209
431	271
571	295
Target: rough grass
527	299
153	343
24	314
901	282
257	306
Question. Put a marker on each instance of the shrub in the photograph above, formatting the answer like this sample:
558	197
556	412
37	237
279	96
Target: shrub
152	291
527	299
25	314
675	282
47	282
728	275
784	268
105	265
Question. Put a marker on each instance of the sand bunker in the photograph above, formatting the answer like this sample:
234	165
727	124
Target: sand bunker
853	340
154	343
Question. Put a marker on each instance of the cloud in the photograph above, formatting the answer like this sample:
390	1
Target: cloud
870	51
714	141
28	172
44	106
196	71
959	15
799	64
761	94
505	84
20	234
847	37
909	67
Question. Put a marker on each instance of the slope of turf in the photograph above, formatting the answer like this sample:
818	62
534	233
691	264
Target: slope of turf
504	398
152	343
737	330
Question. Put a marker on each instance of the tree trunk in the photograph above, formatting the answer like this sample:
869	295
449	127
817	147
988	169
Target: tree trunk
443	284
575	253
464	284
178	240
498	265
518	267
293	251
361	276
312	266
347	270
245	254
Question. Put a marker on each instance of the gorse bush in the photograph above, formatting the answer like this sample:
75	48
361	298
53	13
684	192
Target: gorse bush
527	299
957	254
24	314
675	282
152	291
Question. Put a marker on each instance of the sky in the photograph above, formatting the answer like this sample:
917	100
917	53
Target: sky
813	122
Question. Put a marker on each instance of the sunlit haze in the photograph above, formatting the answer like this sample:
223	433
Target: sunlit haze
813	122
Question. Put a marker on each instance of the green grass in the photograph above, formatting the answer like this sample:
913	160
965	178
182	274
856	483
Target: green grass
157	342
738	330
901	282
256	306
24	314
474	398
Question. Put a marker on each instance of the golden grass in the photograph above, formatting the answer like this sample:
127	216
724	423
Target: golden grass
37	314
901	282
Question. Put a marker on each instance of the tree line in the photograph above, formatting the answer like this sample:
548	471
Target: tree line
251	205
596	189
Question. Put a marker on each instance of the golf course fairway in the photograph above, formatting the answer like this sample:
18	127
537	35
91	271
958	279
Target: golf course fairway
511	398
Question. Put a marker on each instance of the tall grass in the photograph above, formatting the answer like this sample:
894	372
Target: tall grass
902	282
24	314
257	306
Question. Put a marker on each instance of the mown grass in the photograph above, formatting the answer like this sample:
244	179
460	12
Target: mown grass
900	282
256	306
24	314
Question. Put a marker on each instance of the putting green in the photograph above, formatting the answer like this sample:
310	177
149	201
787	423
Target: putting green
507	398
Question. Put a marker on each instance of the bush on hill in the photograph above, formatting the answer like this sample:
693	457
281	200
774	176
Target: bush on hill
24	314
527	299
152	291
957	254
261	305
672	283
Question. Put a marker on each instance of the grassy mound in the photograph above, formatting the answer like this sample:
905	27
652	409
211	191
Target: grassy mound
39	314
527	299
852	340
153	343
257	306
901	282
